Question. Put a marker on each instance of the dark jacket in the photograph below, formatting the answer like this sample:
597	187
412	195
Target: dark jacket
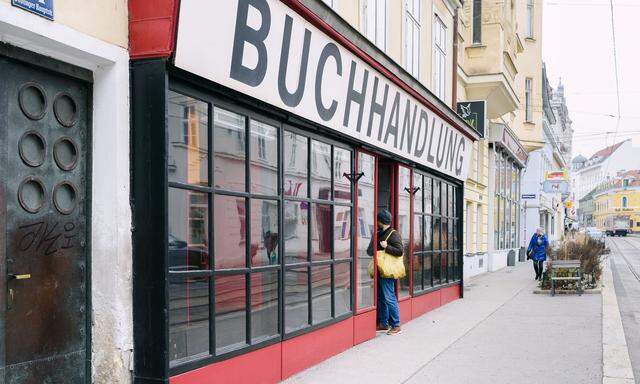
394	243
538	251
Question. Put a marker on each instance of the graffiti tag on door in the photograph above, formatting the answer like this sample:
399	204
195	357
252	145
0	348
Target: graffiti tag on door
50	237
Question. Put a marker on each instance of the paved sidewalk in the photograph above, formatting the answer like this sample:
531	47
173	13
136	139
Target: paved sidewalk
499	333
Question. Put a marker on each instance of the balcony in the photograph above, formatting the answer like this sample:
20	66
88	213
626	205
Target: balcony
488	70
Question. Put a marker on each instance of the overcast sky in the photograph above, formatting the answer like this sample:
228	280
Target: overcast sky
578	47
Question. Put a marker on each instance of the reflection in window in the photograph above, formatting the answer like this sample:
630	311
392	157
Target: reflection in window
188	223
321	293
230	310
229	150
296	303
404	224
296	231
264	159
342	232
342	288
264	306
187	128
366	227
230	232
295	159
320	170
188	319
264	232
341	166
321	229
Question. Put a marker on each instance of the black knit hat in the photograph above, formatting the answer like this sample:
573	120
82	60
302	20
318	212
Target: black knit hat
384	217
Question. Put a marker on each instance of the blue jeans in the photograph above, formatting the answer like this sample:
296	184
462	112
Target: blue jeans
388	312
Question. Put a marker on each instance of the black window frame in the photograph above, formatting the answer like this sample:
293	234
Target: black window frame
213	100
449	212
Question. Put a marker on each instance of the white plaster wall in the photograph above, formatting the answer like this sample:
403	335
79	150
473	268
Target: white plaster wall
472	265
111	284
498	260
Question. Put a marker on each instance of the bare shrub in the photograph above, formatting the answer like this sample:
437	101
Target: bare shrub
583	248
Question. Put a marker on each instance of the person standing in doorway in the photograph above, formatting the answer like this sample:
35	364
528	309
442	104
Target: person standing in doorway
537	251
388	312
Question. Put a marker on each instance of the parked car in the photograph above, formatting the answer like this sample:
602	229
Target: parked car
595	234
183	257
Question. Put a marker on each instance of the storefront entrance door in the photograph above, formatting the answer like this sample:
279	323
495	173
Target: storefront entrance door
43	226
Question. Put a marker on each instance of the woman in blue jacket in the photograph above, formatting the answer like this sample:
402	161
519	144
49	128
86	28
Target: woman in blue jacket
538	251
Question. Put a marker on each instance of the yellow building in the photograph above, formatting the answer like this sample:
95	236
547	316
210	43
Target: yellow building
499	61
619	198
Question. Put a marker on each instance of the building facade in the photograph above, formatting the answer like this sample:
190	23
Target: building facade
603	165
499	61
542	209
617	199
259	174
65	219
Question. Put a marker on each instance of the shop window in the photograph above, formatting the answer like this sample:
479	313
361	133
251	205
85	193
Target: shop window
317	238
435	253
366	227
404	223
240	245
187	140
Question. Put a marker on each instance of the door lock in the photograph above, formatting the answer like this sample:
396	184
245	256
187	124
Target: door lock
19	277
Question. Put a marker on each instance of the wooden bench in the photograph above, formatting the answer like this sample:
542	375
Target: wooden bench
566	264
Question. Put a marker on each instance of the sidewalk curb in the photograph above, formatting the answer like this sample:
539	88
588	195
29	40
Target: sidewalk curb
616	364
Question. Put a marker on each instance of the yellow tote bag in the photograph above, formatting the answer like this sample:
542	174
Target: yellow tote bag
389	266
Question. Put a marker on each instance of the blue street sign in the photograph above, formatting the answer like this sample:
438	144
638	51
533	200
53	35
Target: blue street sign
42	8
529	196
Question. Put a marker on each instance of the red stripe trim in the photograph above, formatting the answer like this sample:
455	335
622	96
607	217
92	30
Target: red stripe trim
319	23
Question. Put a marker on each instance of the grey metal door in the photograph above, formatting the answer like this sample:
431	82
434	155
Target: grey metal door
44	126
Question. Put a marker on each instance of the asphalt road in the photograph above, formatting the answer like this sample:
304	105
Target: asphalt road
625	264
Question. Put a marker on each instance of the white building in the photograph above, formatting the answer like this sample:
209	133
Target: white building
541	209
603	165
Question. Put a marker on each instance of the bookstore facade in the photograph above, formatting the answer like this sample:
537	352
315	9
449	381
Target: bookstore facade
263	145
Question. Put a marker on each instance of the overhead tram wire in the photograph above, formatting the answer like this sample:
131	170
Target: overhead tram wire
615	64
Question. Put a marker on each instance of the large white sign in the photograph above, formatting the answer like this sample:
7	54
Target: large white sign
266	50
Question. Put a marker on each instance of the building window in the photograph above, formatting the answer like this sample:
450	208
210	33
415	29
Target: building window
529	21
527	100
374	22
479	161
243	244
506	203
439	58
624	202
330	3
412	37
436	248
479	213
476	20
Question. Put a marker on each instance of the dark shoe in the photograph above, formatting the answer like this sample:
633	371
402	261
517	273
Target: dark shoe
382	328
394	331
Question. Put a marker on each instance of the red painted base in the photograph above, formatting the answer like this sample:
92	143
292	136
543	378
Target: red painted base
306	350
364	327
425	303
405	310
280	361
264	367
449	294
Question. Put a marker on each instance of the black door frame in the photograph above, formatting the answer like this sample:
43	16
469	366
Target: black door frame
59	68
